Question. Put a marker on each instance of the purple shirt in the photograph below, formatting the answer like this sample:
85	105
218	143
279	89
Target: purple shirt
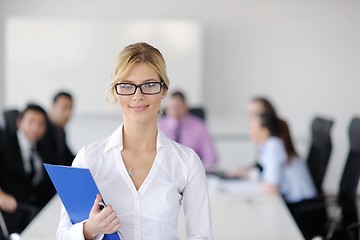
192	132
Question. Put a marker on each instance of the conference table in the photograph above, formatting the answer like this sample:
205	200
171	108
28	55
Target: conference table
240	210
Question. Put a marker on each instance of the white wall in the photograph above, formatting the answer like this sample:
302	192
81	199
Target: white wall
78	56
305	55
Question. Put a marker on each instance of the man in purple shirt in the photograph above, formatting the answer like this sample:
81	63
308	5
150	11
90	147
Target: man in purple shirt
189	130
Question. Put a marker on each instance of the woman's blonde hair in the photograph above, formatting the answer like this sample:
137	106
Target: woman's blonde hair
138	53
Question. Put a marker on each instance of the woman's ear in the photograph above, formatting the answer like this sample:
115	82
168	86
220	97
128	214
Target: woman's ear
164	94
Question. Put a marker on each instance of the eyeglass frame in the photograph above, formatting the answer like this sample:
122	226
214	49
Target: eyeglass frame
161	83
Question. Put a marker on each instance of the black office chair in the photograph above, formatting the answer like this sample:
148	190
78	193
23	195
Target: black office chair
29	212
310	215
352	231
2	137
196	111
199	112
10	118
320	150
346	211
4	233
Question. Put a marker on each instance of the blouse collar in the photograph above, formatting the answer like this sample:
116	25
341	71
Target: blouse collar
116	140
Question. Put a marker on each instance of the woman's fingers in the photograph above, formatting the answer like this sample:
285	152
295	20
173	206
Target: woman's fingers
102	219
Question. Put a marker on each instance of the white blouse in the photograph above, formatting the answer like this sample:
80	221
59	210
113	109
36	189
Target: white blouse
176	177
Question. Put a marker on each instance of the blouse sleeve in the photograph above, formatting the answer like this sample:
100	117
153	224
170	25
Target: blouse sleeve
196	202
66	230
273	160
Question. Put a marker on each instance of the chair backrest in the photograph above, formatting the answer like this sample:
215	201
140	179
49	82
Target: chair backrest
196	111
10	117
350	177
320	150
199	112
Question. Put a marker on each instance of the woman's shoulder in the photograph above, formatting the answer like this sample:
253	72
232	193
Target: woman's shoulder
274	146
91	149
97	145
90	154
274	142
106	142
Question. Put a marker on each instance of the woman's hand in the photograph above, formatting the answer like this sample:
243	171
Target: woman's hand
7	202
101	221
239	172
268	188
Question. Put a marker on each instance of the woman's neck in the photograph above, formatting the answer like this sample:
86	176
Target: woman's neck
139	137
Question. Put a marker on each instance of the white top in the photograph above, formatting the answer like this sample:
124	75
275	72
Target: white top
293	179
25	150
26	153
177	176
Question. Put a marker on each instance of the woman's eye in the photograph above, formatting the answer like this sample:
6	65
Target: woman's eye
150	85
126	86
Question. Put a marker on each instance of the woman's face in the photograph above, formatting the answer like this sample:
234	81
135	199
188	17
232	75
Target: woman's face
140	108
258	134
254	108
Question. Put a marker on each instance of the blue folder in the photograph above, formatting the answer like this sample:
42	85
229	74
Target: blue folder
77	191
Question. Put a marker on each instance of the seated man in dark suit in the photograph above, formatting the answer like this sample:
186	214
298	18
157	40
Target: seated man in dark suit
25	186
55	137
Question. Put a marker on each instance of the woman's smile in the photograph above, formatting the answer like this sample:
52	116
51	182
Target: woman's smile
139	108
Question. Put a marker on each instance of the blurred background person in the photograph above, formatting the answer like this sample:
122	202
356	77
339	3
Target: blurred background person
262	105
25	188
278	166
281	169
285	173
183	127
259	105
280	172
60	113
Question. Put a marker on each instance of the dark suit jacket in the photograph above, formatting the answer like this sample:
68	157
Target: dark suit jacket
55	142
15	181
2	138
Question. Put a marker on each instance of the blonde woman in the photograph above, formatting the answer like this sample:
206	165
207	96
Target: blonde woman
143	175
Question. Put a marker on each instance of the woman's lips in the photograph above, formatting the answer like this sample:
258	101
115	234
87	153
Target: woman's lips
139	108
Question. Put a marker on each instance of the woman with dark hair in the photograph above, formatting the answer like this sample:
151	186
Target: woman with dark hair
281	172
281	169
278	164
259	105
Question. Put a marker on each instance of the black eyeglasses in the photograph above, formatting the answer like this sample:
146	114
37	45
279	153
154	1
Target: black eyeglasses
148	88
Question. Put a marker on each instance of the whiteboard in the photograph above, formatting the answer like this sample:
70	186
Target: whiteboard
44	55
